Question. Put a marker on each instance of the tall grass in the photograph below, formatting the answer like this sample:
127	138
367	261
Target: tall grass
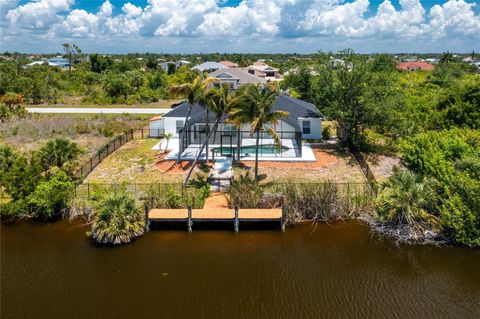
314	201
325	201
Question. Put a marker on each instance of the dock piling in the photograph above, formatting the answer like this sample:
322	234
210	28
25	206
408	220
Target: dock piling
283	220
235	223
189	221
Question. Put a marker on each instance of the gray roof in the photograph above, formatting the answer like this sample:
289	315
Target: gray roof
206	66
295	107
237	74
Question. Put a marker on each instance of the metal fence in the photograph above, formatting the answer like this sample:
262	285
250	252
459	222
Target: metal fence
227	142
138	190
111	147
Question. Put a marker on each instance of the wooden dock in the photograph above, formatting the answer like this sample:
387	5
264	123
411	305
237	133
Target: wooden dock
217	210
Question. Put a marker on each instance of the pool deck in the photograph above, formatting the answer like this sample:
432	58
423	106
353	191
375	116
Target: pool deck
290	155
216	210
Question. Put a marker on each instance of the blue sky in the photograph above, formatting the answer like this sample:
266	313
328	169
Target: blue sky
193	26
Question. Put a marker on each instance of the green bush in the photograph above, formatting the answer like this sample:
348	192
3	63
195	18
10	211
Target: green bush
409	199
52	197
116	219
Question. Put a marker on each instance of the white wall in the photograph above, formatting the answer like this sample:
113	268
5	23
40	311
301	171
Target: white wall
170	124
315	127
156	127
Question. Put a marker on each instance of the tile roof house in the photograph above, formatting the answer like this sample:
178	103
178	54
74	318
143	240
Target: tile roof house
265	71
236	78
229	64
415	65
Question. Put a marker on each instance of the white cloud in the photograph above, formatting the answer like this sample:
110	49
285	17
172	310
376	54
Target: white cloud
131	10
38	15
264	20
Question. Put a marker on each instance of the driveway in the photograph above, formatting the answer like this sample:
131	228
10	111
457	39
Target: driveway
88	110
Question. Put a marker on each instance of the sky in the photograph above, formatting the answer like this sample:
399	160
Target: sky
260	26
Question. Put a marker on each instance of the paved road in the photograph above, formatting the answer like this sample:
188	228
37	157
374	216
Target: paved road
79	110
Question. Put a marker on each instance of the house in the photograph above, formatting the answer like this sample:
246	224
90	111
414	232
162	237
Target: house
57	61
263	70
415	66
303	122
229	64
236	78
209	66
164	65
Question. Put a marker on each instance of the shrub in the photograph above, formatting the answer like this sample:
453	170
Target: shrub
407	198
245	192
51	197
326	133
116	219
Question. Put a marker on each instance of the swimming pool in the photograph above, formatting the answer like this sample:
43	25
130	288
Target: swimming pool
266	149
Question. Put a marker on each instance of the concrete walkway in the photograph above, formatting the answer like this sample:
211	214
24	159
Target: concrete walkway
95	110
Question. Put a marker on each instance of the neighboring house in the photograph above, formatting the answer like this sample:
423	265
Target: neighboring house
229	64
164	65
415	66
236	78
263	70
303	122
156	126
57	61
209	66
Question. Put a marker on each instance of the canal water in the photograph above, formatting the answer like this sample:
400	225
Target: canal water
327	271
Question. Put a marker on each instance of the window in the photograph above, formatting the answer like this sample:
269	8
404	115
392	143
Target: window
179	125
306	127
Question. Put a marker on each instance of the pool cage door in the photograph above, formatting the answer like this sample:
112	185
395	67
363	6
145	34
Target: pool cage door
226	148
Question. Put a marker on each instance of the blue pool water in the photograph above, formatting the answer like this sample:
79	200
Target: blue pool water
267	149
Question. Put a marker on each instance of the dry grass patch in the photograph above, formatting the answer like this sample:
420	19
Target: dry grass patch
134	162
333	164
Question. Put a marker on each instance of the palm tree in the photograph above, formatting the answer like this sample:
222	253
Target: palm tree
257	110
168	136
116	219
58	152
219	102
407	198
194	93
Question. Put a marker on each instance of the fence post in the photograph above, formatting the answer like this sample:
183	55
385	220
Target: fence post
99	157
91	164
88	192
142	133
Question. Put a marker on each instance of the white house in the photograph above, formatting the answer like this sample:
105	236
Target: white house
303	122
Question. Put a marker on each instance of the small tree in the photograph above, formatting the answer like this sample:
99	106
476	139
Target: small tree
11	105
59	152
116	218
256	108
71	50
168	136
194	93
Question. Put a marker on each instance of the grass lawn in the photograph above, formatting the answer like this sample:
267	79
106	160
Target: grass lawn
132	163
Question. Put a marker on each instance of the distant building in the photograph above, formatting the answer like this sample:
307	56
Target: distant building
415	66
164	65
236	78
209	66
229	64
263	70
57	61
